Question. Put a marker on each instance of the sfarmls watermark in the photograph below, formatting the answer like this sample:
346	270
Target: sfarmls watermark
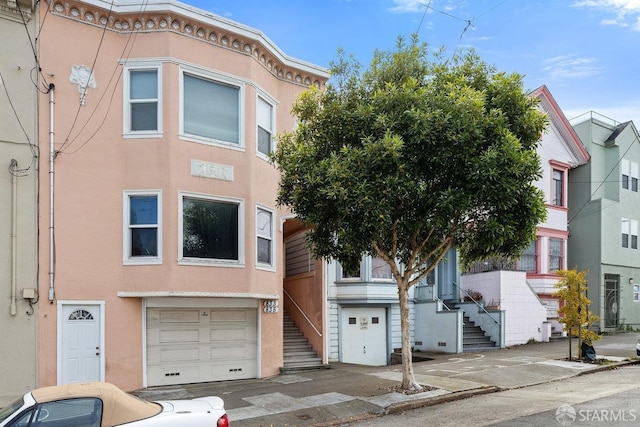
567	415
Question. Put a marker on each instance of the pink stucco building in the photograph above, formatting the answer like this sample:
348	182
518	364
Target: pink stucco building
161	246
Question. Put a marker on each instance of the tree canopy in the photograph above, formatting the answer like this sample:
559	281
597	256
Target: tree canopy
414	155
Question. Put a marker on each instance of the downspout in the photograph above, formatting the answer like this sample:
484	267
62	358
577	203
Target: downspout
14	233
51	157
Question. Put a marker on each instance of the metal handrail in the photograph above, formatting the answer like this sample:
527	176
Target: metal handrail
302	312
476	303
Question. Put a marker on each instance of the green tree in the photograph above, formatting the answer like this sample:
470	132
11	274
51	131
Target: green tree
574	307
410	157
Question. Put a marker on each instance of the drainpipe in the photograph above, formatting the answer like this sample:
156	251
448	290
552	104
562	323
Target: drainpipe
51	157
14	233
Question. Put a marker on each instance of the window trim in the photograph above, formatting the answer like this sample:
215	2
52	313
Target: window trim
126	110
222	80
126	234
272	145
380	279
271	265
556	183
625	224
561	256
182	260
563	168
625	174
350	279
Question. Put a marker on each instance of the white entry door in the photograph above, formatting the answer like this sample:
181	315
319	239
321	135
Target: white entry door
79	346
364	336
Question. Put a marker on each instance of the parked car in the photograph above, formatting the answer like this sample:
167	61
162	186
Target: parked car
99	404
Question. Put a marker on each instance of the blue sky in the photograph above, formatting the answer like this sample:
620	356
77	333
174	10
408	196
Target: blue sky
587	52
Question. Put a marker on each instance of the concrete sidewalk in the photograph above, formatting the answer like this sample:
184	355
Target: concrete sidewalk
347	392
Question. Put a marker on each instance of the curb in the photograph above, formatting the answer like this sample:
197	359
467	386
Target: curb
436	400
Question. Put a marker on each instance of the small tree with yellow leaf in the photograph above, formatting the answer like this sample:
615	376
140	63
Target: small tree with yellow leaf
574	307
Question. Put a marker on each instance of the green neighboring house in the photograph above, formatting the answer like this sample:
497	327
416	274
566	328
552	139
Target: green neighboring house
604	212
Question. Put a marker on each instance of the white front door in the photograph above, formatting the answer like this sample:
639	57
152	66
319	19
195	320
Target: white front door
364	336
79	346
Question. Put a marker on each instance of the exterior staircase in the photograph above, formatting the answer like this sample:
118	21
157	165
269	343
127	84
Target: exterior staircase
298	354
474	338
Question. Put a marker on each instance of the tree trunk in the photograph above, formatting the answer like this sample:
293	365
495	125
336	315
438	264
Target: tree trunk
408	377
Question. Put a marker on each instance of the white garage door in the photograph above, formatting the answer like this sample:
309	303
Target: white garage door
187	345
364	335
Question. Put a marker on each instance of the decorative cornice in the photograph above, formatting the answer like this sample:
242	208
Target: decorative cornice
12	9
202	30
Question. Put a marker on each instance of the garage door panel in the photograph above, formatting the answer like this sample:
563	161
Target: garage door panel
179	316
230	316
180	336
221	345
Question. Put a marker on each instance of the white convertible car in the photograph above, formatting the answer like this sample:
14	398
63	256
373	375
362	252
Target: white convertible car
104	405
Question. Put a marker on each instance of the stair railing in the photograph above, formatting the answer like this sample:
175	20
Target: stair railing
302	312
480	306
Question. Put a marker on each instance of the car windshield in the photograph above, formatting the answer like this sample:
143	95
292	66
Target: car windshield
8	410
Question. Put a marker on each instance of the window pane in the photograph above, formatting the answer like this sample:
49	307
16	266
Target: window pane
144	116
143	210
144	84
557	188
634	184
264	141
264	250
211	110
350	274
263	113
380	269
625	240
634	242
210	229
625	182
70	412
555	254
264	223
144	242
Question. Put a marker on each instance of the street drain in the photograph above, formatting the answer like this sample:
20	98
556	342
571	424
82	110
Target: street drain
304	417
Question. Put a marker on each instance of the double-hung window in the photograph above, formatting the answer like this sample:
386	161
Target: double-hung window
636	293
558	186
211	110
634	176
555	254
529	260
143	233
633	225
625	168
142	106
210	229
265	241
624	227
264	115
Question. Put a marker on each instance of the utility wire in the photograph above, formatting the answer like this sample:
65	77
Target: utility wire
86	86
126	52
613	168
32	147
34	50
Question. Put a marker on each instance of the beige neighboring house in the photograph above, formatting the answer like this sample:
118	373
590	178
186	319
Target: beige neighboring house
18	196
168	262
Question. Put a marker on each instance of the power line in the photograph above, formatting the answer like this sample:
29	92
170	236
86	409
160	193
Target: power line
32	147
126	52
84	90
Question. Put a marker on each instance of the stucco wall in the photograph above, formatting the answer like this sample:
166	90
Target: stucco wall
96	164
18	221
